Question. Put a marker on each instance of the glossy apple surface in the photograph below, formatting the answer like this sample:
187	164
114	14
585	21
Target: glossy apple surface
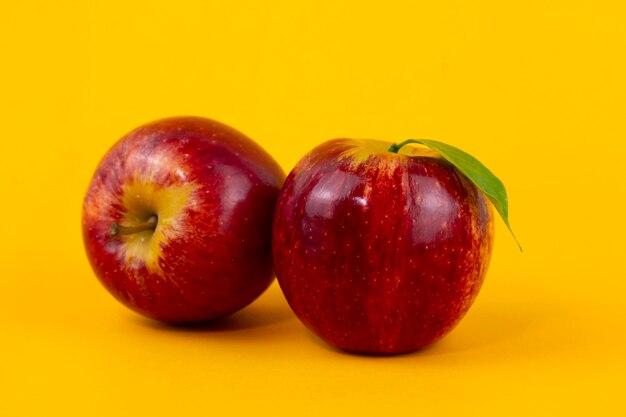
205	195
378	252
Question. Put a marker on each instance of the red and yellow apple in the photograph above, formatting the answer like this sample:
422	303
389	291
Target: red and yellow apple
380	252
177	219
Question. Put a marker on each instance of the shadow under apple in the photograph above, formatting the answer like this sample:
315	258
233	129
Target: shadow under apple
269	309
486	325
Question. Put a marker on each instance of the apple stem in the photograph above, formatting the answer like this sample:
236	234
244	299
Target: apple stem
119	230
396	147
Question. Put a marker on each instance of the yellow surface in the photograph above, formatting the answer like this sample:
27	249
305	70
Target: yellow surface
534	89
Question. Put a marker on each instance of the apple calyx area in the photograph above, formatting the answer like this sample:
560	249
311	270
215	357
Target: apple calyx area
119	230
152	218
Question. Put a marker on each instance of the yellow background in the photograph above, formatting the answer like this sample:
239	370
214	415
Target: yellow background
535	89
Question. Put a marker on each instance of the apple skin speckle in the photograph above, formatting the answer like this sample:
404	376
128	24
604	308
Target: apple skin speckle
214	191
377	252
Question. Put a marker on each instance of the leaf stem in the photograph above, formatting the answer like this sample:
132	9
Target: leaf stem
396	147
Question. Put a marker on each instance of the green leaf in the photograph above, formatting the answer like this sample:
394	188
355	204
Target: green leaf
475	171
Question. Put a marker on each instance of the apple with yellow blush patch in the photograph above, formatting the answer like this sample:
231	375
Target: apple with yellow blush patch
177	220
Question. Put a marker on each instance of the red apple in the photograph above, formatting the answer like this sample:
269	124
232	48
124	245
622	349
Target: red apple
380	252
177	219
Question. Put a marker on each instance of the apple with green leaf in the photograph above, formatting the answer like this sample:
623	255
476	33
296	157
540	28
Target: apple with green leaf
177	219
382	248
